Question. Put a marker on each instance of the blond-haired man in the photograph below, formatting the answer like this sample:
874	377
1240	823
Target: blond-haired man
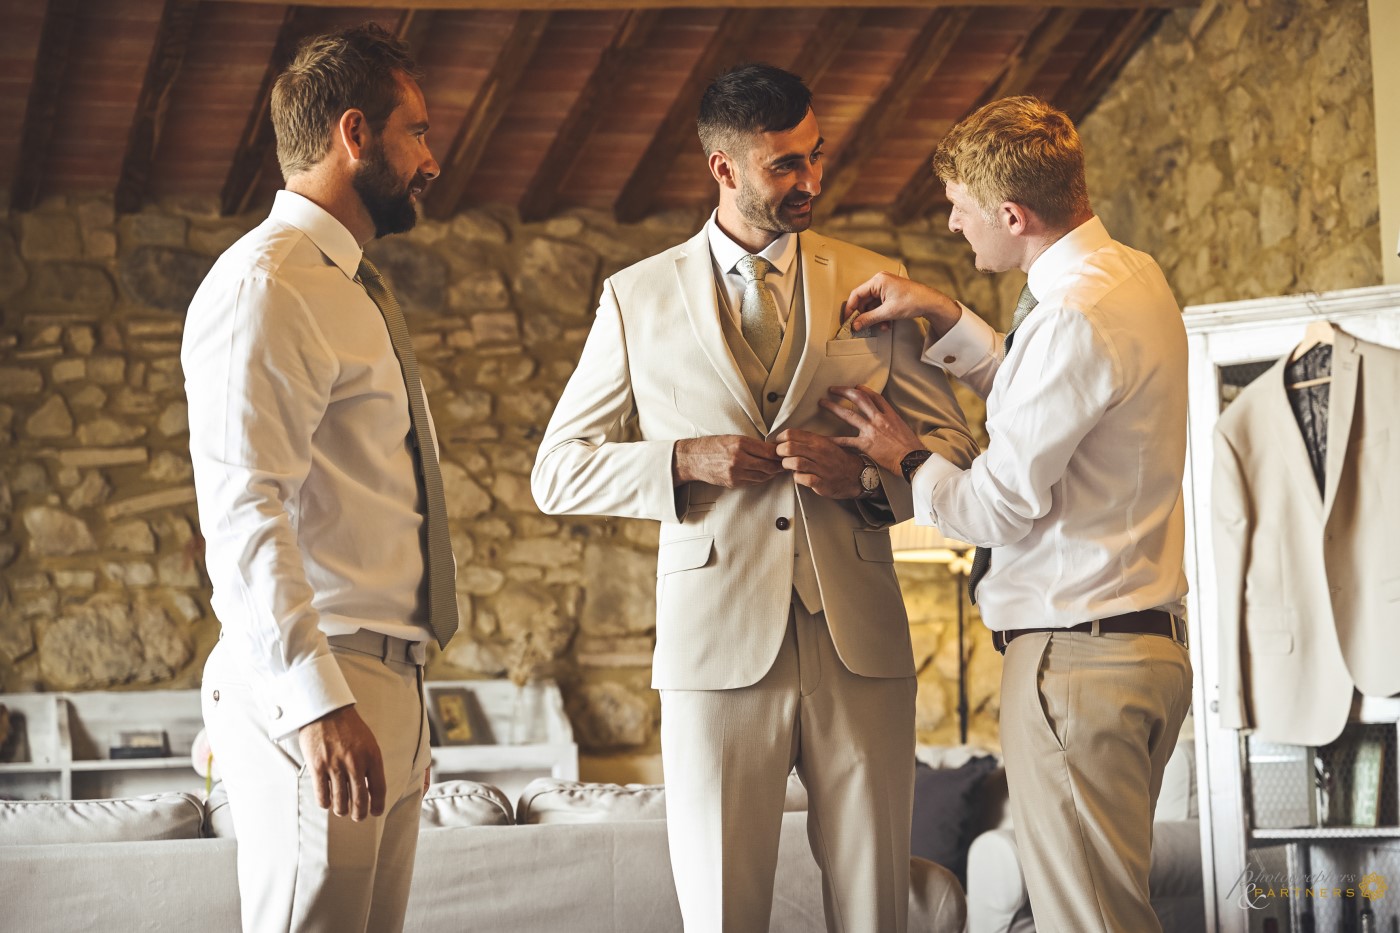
1075	504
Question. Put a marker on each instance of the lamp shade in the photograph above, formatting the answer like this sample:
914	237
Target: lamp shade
925	544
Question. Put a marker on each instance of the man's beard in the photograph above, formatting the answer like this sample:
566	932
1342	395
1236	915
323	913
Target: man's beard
763	215
390	204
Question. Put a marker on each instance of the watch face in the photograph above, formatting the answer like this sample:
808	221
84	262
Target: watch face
870	478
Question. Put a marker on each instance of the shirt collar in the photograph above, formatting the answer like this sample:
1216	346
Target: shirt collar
1064	255
780	253
330	235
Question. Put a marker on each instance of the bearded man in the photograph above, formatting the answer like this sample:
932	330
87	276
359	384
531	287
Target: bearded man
781	637
321	502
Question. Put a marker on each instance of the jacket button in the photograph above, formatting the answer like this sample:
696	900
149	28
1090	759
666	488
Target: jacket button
277	712
783	524
773	396
216	696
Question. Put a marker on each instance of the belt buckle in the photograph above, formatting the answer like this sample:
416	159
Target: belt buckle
1179	631
999	642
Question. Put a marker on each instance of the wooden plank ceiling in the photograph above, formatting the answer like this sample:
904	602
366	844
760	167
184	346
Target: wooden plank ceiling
538	104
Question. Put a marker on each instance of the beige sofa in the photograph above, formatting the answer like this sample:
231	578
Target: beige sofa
579	857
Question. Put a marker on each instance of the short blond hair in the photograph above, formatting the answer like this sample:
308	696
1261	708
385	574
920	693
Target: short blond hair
1017	149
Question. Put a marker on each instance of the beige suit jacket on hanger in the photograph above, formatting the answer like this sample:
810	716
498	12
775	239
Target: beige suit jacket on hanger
656	368
1309	585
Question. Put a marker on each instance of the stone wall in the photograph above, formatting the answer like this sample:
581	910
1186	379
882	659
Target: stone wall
1238	147
101	578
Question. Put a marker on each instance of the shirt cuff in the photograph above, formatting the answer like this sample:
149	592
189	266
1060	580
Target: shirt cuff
921	486
306	693
967	343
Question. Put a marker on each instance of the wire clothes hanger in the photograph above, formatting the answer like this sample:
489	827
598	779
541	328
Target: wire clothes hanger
1319	333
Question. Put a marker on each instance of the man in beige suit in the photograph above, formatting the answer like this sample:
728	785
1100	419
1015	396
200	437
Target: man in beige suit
782	639
1308	584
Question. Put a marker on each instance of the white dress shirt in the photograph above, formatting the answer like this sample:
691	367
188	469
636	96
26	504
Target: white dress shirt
1079	489
299	427
782	254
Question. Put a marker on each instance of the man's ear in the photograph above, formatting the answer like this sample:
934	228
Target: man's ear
1014	218
352	134
723	169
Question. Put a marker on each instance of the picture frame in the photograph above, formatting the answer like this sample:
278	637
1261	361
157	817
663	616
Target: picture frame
456	717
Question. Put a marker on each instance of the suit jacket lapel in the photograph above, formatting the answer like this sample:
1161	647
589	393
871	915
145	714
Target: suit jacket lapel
696	280
821	310
1341	407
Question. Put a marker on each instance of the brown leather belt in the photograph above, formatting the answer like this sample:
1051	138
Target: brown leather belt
1143	622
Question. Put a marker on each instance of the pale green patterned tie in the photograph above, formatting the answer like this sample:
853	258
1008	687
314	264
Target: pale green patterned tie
758	312
441	567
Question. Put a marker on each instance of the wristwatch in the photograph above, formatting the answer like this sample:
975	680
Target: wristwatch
912	461
869	477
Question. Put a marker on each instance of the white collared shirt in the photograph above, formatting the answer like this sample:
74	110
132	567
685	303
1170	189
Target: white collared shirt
781	281
1079	489
299	422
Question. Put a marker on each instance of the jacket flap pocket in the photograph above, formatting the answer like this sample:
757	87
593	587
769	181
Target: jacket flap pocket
854	346
1270	642
1390	590
874	545
685	554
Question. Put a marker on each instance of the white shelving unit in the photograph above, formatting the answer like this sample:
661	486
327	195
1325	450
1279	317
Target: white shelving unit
64	752
1220	336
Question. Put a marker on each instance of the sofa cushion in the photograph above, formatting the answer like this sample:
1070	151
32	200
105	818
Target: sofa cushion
464	803
948	811
548	800
127	819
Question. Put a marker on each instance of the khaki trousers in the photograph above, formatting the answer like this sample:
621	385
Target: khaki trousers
300	867
1087	725
727	755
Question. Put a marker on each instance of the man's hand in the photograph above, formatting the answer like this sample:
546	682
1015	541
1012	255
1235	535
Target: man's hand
885	297
345	764
727	460
882	434
819	464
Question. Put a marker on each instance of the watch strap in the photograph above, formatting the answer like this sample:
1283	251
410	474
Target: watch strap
912	461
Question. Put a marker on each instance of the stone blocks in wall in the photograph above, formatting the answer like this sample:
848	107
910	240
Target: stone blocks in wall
98	530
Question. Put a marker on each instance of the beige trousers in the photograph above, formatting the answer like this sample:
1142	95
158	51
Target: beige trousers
300	867
727	755
1087	725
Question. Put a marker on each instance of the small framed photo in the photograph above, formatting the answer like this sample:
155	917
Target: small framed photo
141	743
457	718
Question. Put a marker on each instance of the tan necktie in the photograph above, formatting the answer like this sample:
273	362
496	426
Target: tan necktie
982	560
758	312
441	566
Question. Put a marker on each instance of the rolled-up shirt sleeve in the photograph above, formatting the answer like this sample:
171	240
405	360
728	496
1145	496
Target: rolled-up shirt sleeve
1060	382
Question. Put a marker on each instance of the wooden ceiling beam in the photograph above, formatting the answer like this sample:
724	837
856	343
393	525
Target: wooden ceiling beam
50	66
167	58
829	37
923	191
465	153
677	130
1082	89
926	53
598	94
569	5
413	28
258	139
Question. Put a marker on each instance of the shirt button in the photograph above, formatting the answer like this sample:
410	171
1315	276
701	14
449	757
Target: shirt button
950	359
773	396
277	712
783	524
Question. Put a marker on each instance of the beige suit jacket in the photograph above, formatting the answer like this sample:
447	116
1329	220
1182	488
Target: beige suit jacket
1309	585
656	368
